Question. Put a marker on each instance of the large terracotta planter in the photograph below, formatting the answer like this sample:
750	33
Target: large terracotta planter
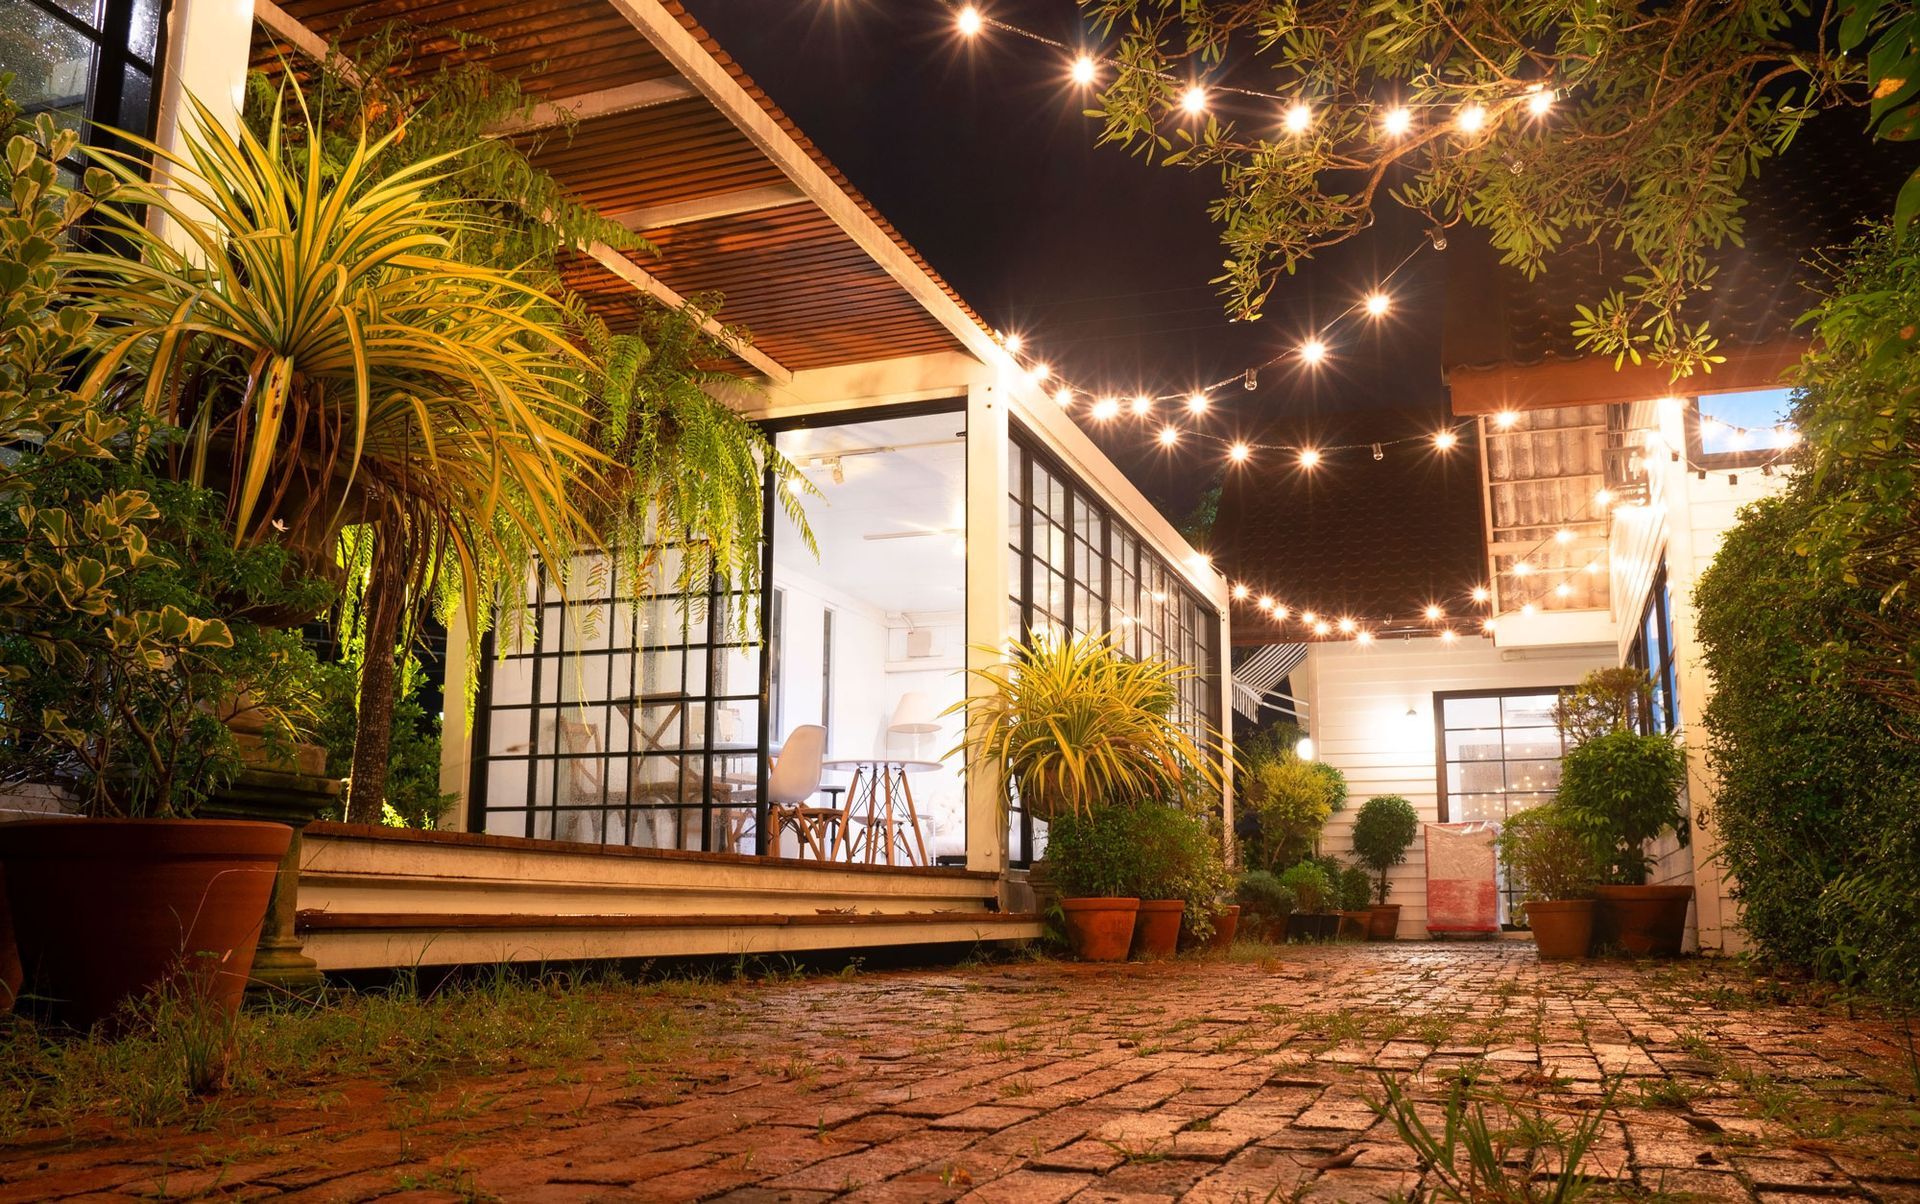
1562	928
1100	930
1226	922
1383	921
1156	928
1647	921
107	910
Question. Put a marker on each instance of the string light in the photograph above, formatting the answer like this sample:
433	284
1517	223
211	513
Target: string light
1445	441
1603	498
1298	118
1481	594
1346	626
1321	628
1471	118
1013	343
1521	568
1169	436
1434	613
1309	458
970	21
1194	99
1313	351
1106	408
1307	616
1397	121
1527	610
1083	69
1505	419
1239	452
1363	638
1040	372
1142	406
1563	590
1447	636
1266	603
1563	535
1197	403
1377	303
1540	101
1240	592
1063	397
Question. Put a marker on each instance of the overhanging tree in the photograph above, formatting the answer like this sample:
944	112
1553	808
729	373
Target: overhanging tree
1629	128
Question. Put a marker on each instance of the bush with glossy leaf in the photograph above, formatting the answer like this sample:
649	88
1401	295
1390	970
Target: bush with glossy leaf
1383	831
1623	790
1311	887
1548	856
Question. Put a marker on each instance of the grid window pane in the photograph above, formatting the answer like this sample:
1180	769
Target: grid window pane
1499	754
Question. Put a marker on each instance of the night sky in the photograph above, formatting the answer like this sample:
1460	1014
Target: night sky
980	155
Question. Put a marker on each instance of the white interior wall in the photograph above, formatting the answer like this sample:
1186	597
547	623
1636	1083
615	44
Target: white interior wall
1359	700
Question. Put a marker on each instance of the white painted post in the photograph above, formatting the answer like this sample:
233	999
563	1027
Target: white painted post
208	43
986	614
456	723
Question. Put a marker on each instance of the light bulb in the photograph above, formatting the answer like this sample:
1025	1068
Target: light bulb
1106	408
1168	436
1280	612
1063	397
1013	343
1488	625
1039	372
1194	99
1527	610
1083	69
1321	628
1563	536
1564	590
1309	458
1505	419
1603	498
1540	102
1447	636
970	21
1266	603
1398	121
1239	452
1377	303
1142	406
1364	637
1307	616
1445	441
1593	566
1480	593
1346	625
1197	404
1313	351
1298	118
1433	613
1471	118
1240	592
1521	568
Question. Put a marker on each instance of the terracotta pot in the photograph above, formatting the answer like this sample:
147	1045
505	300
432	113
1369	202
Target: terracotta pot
1383	921
1226	923
1353	925
1562	928
1100	930
107	910
1647	921
1156	928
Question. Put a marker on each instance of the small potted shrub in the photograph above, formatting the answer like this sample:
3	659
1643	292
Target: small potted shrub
1313	896
1179	875
1095	860
1354	886
1622	788
1264	905
1383	831
1552	865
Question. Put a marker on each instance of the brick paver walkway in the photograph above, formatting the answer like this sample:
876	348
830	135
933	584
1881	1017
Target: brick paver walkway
1195	1081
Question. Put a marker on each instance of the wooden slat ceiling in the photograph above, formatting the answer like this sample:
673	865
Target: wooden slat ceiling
809	294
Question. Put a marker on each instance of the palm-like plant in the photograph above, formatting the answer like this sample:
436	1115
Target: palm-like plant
330	358
1074	724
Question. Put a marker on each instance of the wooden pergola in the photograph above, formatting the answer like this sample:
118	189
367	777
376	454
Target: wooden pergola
644	118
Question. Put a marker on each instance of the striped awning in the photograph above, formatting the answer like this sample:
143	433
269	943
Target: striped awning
1262	673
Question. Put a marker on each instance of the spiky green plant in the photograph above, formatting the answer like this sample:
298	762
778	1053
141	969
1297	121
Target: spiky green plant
1074	724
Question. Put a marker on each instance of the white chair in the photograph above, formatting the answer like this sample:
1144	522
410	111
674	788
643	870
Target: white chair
794	779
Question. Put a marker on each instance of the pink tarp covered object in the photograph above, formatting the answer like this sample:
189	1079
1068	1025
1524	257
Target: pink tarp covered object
1463	895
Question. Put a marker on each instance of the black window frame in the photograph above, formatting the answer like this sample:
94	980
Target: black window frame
1653	653
110	34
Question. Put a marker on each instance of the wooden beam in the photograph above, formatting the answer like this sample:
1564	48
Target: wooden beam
633	274
626	98
1593	380
700	209
287	26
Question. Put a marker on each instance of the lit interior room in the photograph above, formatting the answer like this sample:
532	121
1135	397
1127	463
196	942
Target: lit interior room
867	643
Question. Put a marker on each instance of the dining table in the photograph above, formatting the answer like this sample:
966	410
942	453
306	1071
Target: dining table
881	783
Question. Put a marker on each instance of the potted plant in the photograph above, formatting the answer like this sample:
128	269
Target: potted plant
1264	904
1288	801
1552	865
1313	895
1622	788
1354	888
1383	831
1095	857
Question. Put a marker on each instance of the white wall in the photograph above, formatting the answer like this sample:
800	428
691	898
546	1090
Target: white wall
1359	697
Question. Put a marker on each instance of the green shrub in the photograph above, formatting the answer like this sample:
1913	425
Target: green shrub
1308	882
1355	888
1146	850
1817	812
1261	894
1548	855
1382	833
1289	800
1623	790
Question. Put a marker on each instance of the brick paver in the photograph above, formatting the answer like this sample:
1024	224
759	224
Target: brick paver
1212	1081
